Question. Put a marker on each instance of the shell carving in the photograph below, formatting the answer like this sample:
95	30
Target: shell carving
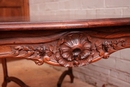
73	49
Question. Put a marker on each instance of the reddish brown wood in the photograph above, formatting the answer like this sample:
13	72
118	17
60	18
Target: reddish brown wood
14	10
68	44
64	25
42	36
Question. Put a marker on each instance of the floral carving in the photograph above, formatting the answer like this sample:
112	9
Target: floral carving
111	46
72	49
78	49
32	52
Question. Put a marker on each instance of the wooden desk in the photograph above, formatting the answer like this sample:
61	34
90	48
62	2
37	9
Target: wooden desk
63	43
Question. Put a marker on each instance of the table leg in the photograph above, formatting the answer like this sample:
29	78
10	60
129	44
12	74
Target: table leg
8	79
67	72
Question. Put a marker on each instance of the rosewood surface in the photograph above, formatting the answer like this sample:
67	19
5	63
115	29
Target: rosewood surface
64	43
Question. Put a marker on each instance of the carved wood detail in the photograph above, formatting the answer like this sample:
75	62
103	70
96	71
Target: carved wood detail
63	43
39	54
78	49
72	49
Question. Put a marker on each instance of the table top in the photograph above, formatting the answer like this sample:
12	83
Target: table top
63	24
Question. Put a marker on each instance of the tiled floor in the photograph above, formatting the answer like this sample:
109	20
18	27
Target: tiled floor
37	76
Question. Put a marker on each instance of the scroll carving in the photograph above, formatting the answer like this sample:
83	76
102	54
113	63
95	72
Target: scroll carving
36	53
72	49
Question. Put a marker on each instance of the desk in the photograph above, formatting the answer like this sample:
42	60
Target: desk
62	43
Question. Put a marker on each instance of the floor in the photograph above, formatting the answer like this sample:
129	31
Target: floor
37	76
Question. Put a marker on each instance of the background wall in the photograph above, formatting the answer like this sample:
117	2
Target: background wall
113	72
78	9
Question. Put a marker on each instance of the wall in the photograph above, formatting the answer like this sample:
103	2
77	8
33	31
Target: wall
78	9
113	72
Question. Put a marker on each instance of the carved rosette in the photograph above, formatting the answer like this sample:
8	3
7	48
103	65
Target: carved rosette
74	50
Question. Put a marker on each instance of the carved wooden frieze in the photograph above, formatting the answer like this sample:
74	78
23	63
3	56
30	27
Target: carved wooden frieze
30	52
37	53
78	49
69	50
